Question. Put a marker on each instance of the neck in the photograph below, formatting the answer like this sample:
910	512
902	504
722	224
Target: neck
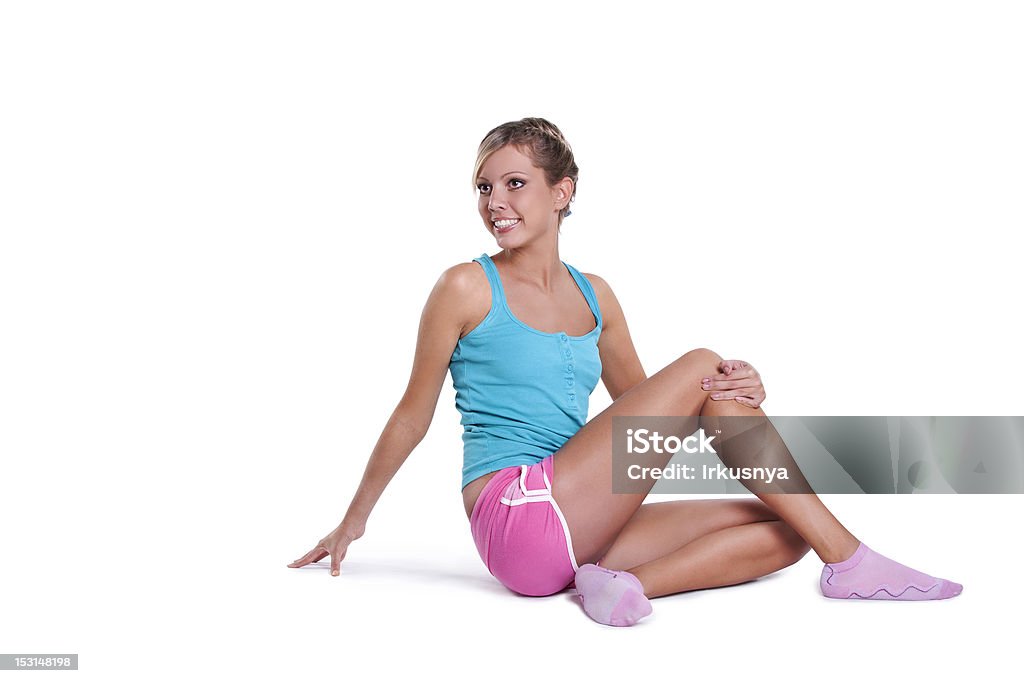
538	264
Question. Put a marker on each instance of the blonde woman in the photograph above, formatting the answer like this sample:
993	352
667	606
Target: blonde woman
526	337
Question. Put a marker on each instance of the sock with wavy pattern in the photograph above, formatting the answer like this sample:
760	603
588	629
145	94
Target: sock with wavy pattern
615	598
866	575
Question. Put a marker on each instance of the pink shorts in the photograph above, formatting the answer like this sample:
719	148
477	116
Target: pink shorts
520	532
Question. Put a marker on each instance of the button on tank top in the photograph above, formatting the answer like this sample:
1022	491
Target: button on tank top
521	392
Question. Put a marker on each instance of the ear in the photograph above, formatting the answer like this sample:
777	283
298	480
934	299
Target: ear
563	192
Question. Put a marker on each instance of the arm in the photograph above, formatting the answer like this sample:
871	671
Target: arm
621	369
620	365
449	309
441	323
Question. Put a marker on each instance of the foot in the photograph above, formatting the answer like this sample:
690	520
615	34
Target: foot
866	575
615	598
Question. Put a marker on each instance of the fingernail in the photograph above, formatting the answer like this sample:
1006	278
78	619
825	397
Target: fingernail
334	573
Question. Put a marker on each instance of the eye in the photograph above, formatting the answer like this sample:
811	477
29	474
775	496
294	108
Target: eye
516	180
483	188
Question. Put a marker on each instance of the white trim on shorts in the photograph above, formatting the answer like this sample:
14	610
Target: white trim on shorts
543	496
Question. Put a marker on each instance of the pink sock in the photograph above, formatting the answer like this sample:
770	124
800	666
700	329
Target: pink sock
615	598
869	576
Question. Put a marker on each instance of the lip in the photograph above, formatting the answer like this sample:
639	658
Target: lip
502	231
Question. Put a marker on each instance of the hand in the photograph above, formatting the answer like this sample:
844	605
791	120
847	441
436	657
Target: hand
736	380
334	544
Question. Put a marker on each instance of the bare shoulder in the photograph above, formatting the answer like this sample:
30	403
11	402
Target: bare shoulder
598	283
601	288
464	282
463	278
606	300
463	289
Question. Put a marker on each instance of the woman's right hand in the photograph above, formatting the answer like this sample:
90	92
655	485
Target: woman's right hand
334	544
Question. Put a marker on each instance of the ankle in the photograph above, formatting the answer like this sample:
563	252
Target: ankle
839	550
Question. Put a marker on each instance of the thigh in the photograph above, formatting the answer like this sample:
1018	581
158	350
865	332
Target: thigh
583	465
657	529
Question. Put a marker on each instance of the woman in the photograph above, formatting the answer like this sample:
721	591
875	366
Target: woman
526	337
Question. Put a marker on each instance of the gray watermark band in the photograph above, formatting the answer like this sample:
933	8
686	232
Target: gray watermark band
819	454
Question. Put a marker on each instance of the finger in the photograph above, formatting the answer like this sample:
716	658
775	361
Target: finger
314	555
304	560
336	563
713	380
751	386
731	366
736	373
746	368
726	395
723	384
750	403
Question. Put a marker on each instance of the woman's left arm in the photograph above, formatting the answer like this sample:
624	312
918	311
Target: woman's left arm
620	366
621	369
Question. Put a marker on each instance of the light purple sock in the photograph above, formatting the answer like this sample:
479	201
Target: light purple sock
615	598
867	575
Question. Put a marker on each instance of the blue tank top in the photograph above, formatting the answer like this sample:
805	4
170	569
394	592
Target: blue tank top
522	392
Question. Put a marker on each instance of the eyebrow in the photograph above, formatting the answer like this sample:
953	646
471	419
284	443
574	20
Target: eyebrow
479	178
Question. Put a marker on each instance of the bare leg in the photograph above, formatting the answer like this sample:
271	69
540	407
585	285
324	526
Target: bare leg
723	558
805	512
677	546
596	516
583	477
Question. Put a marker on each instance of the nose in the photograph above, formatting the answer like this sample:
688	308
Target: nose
496	200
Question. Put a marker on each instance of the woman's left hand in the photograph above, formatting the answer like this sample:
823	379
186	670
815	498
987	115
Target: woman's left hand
738	380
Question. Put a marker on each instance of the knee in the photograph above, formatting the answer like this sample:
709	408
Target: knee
703	355
703	362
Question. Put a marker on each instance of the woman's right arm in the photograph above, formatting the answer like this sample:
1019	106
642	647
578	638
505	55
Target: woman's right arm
453	304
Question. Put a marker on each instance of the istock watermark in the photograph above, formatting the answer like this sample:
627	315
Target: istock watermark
832	454
640	440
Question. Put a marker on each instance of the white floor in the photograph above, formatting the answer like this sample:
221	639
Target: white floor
411	602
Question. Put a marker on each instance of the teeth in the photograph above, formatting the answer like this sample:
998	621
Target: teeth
507	223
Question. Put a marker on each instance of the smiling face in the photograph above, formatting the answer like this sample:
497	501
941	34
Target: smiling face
515	201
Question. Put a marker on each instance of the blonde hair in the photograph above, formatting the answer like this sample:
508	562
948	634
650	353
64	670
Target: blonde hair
544	144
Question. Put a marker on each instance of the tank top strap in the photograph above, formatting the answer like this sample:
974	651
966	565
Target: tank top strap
497	292
588	293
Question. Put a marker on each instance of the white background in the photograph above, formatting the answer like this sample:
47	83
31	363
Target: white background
220	222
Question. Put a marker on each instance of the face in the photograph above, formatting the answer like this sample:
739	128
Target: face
515	201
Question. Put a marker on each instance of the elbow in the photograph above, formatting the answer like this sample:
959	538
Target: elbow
411	423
